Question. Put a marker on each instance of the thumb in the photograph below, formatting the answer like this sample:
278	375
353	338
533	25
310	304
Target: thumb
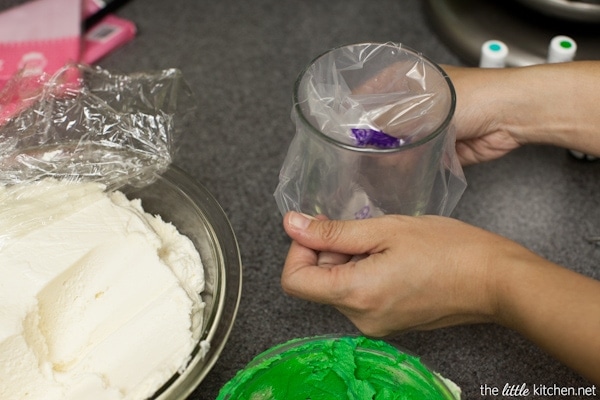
348	236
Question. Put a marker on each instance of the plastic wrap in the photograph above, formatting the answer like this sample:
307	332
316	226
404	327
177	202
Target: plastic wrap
373	136
85	123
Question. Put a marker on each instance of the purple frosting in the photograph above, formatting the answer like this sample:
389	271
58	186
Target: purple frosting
372	137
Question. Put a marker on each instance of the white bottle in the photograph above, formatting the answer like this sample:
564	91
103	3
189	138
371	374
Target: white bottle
561	49
493	54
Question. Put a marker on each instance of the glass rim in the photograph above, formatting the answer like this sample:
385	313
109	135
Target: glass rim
432	135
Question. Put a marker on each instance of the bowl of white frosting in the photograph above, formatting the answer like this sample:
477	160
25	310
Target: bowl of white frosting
196	213
113	295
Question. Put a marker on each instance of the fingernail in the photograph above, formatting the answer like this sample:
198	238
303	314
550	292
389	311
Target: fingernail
299	220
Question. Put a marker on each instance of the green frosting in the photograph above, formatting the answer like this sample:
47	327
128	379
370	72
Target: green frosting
326	368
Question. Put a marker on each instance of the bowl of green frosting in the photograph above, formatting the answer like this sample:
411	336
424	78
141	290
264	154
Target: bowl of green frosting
337	367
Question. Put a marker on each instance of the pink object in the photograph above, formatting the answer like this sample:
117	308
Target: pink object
106	35
91	7
39	36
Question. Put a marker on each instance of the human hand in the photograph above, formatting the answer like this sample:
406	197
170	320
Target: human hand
395	273
479	118
500	109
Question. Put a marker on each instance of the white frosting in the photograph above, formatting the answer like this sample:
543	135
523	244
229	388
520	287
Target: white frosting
98	299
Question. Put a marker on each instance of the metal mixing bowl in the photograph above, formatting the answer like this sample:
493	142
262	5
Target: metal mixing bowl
178	199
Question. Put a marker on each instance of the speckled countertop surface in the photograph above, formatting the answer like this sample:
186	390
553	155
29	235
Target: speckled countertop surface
241	59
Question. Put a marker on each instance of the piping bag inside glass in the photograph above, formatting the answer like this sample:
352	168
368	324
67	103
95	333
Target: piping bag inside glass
373	136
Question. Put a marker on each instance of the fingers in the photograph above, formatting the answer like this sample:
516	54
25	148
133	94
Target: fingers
320	263
485	148
346	237
305	278
465	154
321	259
328	258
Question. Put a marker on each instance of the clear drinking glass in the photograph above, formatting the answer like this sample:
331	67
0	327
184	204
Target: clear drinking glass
372	136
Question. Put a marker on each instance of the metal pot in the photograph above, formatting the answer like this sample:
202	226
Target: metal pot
574	10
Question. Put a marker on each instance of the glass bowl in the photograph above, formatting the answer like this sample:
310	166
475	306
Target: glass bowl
340	367
178	199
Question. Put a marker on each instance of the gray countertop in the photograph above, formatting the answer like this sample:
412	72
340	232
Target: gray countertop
241	59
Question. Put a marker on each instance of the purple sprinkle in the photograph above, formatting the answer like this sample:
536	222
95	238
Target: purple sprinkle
371	137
